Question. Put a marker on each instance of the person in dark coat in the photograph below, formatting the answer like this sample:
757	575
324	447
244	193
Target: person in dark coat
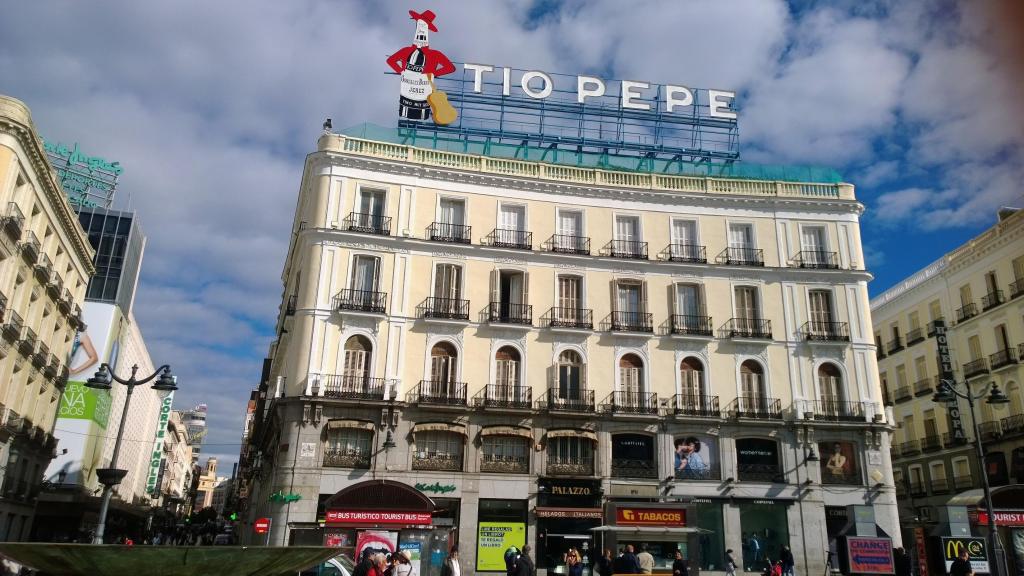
627	563
903	565
788	563
525	565
605	564
679	567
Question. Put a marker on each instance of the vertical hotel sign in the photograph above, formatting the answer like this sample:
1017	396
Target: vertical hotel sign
156	455
946	378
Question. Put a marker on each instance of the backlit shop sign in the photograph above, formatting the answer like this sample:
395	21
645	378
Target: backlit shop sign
649	517
633	95
376	517
1011	518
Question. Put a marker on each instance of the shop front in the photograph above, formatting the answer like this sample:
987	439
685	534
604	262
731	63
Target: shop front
388	516
661	529
567	511
1008	502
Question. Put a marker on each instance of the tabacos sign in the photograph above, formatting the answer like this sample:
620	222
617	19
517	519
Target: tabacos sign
650	517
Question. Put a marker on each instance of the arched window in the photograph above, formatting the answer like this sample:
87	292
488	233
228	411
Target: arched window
507	366
631	392
570	382
692	399
443	369
753	396
833	397
355	371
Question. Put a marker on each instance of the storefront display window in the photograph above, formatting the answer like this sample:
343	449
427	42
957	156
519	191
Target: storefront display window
633	456
839	463
765	529
501	524
757	460
507	454
712	543
438	450
567	511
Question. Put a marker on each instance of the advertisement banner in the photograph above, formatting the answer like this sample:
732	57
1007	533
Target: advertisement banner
368	517
839	463
870	555
156	456
977	552
695	457
946	376
414	555
649	517
373	541
1003	518
493	538
922	552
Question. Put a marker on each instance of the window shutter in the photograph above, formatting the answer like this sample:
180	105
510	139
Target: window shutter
526	287
495	285
643	298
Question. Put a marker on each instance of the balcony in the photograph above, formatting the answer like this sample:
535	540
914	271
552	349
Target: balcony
504	396
741	257
686	325
510	313
506	238
30	247
816	259
975	368
750	328
694	405
376	224
632	322
439	392
445	309
574	318
894	346
966	312
27	342
924	386
903	393
948	441
914	336
1012	424
691	253
14	221
346	459
917	488
290	306
640	403
369	301
570	400
52	366
452	233
12	327
1016	288
909	448
833	410
931	443
629	249
501	464
819	331
55	286
43	268
634	468
757	407
566	244
991	300
569	466
939	486
439	462
990	430
1003	358
41	356
932	326
963	482
350	387
760	473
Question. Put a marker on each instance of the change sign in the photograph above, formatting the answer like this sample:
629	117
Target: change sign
870	555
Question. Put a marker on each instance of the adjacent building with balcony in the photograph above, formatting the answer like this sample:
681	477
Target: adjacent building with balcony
435	343
977	290
45	265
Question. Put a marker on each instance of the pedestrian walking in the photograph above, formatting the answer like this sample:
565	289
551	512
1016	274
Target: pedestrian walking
961	566
451	566
730	563
788	563
679	567
573	563
645	560
903	564
605	563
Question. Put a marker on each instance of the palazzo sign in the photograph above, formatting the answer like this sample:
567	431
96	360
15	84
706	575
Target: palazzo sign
946	378
157	454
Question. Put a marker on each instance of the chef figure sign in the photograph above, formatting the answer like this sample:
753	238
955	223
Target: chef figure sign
418	64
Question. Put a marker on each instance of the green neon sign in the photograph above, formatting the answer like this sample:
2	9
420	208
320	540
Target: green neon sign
436	487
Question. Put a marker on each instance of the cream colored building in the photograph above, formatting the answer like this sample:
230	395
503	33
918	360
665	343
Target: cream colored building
208	481
45	264
534	337
976	290
177	478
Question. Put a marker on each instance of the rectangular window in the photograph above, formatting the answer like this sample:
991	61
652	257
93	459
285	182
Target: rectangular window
629	299
570	293
901	376
741	236
684	232
767	529
689	301
930	429
935	310
814	246
991	284
370	202
570	223
914	320
921	368
974	347
365	272
512	217
627	228
909	433
746	303
821	309
965	295
452	211
1002	340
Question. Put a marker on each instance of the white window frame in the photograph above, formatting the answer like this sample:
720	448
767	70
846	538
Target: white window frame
672	229
458	197
753	231
526	213
352	268
758	288
701	294
628	214
645	380
833	301
583	286
357	198
427	360
575	209
462	276
765	373
826	237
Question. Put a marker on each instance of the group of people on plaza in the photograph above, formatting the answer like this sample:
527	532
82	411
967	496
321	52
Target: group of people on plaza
628	561
375	563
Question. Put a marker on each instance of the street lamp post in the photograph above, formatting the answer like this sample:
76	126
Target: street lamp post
945	393
112	476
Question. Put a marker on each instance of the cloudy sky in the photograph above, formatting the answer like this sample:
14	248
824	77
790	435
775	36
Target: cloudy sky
211	107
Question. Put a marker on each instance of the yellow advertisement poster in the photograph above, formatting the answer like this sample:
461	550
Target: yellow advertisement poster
493	538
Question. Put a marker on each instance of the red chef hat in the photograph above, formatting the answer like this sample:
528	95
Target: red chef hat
427	17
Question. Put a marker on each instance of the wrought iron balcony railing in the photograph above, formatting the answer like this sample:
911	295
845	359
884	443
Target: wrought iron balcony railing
44	267
819	331
566	244
12	326
441	462
621	402
630	249
445	308
570	400
753	328
1012	424
1016	288
692	253
14	221
932	326
55	286
903	393
760	407
819	259
966	312
1020	351
910	447
939	485
439	392
505	396
508	238
27	342
760	473
696	405
632	322
42	355
377	224
931	443
1003	358
974	368
917	488
30	247
448	232
566	466
350	387
924	386
634	468
361	301
497	463
684	324
914	336
894	345
346	459
582	318
741	257
510	313
990	430
963	482
835	410
992	299
948	440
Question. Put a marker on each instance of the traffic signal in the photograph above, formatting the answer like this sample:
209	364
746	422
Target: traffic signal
234	516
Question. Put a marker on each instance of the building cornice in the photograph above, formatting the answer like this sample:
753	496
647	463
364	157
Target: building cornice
16	120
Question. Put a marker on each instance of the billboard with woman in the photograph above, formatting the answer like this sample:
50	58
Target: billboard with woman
695	458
